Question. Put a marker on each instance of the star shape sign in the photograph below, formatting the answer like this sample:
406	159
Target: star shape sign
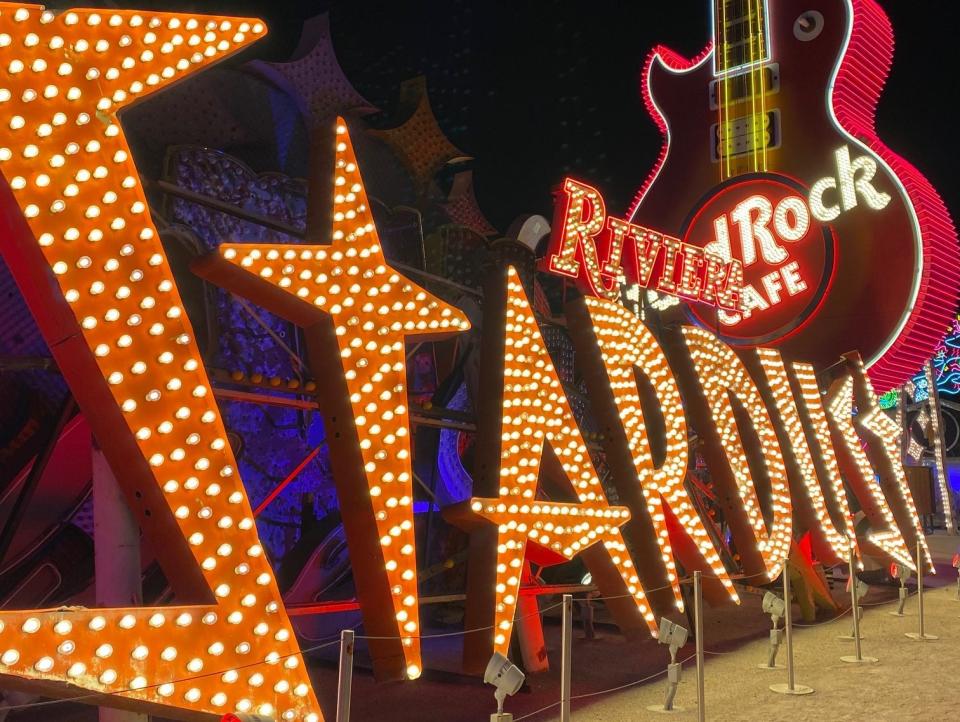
537	415
875	421
347	297
885	534
77	234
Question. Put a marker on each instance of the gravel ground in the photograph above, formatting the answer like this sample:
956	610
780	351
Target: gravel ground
911	681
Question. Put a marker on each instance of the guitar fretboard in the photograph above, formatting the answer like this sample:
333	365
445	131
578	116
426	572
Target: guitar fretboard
740	34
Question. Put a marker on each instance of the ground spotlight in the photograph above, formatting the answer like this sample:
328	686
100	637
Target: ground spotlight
507	678
674	636
901	572
860	591
956	565
775	607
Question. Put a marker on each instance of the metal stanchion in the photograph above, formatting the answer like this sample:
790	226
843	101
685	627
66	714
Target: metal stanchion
346	675
790	687
920	636
855	608
698	631
565	657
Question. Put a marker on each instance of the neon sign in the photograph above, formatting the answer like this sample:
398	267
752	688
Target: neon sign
79	239
886	278
602	251
786	253
848	187
356	313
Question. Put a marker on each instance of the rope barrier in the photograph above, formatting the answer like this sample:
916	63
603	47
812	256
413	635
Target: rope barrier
336	640
826	621
628	684
585	695
535	713
888	601
464	631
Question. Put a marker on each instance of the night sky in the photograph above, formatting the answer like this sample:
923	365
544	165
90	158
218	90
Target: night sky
537	90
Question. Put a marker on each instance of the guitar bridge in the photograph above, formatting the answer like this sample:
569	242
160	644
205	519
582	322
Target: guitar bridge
746	134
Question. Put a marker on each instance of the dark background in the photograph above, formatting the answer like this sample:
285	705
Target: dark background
536	90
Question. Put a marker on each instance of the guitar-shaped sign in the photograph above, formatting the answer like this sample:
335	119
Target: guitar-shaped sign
770	157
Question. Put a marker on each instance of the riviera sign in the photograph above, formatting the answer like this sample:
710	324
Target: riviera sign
601	252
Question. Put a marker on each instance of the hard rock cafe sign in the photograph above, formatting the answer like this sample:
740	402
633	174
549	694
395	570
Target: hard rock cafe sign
756	258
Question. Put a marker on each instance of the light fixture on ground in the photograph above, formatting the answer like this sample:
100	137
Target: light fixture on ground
901	572
507	678
856	594
774	606
674	636
956	565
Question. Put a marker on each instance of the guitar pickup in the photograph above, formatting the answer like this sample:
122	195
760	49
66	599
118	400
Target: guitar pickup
742	85
745	135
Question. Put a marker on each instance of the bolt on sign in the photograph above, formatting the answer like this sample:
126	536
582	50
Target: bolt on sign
77	235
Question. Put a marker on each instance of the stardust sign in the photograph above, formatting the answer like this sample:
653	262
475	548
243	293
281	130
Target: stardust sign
79	239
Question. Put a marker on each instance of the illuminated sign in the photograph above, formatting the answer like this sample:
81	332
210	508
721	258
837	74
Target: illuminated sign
536	417
845	244
78	237
755	250
785	245
80	242
786	253
853	182
357	313
601	252
768	427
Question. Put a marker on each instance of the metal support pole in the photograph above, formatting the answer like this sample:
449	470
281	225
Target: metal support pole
116	542
939	451
855	608
698	631
791	687
565	658
921	636
29	486
345	680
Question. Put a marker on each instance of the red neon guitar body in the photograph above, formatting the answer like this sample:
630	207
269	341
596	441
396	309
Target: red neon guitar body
881	281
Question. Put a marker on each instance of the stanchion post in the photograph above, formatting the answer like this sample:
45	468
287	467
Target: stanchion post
791	687
566	657
922	636
345	681
788	623
698	631
855	608
920	586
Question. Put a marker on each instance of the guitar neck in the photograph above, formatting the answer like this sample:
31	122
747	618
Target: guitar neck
740	35
746	125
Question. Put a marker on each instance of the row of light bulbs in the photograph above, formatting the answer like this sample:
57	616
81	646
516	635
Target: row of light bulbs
63	153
